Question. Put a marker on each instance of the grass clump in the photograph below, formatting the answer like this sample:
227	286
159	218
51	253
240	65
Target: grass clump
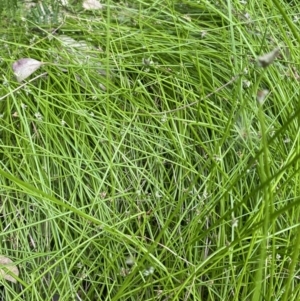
139	164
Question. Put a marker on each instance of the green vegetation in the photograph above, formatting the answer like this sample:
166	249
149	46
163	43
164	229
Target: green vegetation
138	164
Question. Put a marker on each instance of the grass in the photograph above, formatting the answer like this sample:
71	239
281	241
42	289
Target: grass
141	166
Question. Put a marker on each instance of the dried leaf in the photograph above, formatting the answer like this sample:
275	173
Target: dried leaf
268	58
25	67
70	42
261	95
91	4
10	266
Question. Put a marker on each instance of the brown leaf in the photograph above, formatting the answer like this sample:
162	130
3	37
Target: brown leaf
25	67
7	264
91	4
261	95
268	58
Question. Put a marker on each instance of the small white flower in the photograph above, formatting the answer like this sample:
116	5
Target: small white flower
218	158
63	123
158	195
247	16
23	106
203	33
148	271
27	91
148	61
187	17
124	272
38	116
129	261
164	118
246	84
